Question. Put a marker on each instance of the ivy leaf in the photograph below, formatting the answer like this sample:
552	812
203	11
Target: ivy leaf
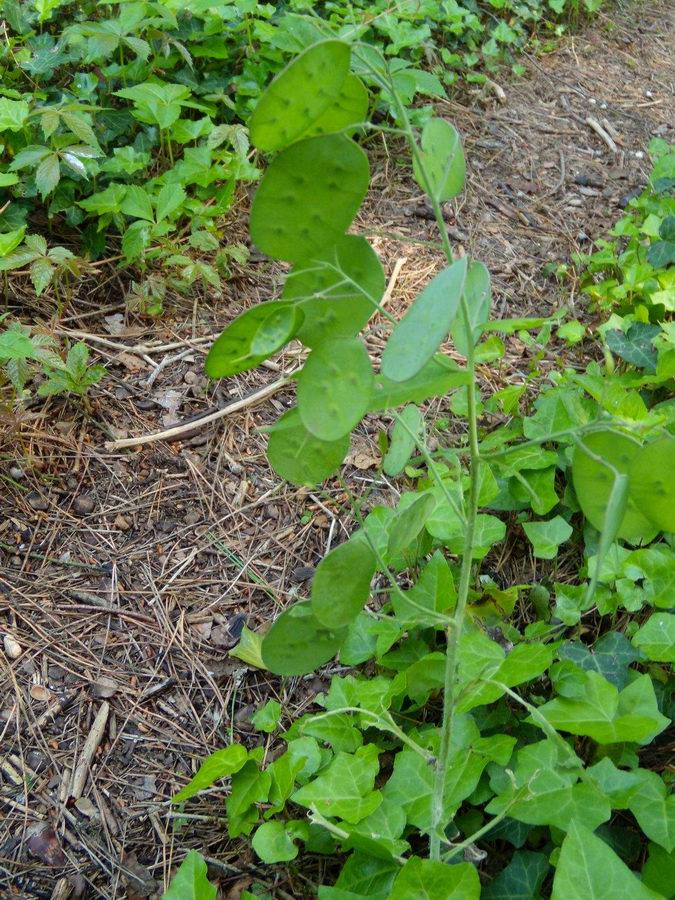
345	788
273	843
607	716
421	331
365	876
48	174
220	764
248	650
425	879
658	872
547	536
656	638
661	254
521	879
610	656
190	881
589	870
341	584
636	345
267	717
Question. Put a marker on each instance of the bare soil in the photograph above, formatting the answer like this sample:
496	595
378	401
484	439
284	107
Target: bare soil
127	574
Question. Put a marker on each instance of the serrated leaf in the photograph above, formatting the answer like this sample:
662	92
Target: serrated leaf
169	200
334	388
15	345
418	335
442	161
48	174
299	95
41	274
190	881
13	114
10	240
341	584
297	643
137	203
308	197
220	764
299	456
588	869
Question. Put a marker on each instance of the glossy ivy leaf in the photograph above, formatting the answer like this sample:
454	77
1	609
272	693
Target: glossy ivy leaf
341	584
249	787
348	110
521	879
220	764
425	879
607	716
364	876
636	345
252	337
190	881
334	388
547	536
594	459
656	638
441	169
652	482
308	197
337	292
478	295
299	456
344	789
379	834
610	656
297	643
273	843
408	523
267	717
588	869
300	95
418	335
435	379
658	873
402	445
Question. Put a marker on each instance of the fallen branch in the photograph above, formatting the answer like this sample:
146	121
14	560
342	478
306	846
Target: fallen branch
600	131
88	750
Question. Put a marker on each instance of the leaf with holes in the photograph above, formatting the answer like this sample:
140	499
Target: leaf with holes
337	291
421	331
334	388
308	197
300	95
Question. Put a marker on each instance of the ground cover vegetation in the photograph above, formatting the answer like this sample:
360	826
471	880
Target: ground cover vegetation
480	738
498	740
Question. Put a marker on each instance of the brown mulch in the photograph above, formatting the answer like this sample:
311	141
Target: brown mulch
128	574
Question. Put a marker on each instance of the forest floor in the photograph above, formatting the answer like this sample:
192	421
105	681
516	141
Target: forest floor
128	574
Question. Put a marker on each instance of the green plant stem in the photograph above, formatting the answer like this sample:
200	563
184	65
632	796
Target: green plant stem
454	631
477	835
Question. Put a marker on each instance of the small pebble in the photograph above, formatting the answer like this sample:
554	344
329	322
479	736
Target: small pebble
83	505
16	472
12	648
37	501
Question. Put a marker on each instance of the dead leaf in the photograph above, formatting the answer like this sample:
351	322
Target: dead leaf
363	456
87	808
169	400
44	845
138	879
131	362
104	687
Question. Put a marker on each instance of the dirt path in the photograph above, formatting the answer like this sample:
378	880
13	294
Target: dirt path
126	575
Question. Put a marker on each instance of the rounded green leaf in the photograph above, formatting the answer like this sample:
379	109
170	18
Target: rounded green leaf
593	480
341	584
297	643
337	291
350	108
299	456
442	157
308	197
652	482
424	327
253	337
273	844
299	95
334	388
